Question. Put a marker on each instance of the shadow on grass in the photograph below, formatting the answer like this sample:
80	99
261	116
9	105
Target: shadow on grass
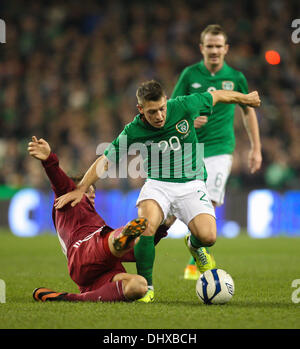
232	304
262	304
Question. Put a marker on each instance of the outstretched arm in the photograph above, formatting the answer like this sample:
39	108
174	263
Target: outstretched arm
91	176
60	182
222	96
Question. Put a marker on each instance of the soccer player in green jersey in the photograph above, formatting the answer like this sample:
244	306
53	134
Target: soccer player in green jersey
164	133
217	131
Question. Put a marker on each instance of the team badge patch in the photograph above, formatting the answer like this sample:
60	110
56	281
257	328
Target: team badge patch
182	126
211	88
228	85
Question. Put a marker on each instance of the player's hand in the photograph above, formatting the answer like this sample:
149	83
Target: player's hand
254	160
74	197
200	121
39	149
253	99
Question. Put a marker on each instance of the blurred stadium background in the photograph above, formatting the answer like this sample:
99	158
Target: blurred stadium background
69	72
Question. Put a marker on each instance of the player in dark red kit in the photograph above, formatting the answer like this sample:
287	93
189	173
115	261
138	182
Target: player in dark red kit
94	250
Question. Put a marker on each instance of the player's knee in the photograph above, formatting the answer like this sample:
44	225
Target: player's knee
209	240
208	237
204	228
136	288
140	287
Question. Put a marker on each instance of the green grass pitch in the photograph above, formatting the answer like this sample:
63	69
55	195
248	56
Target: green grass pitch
263	271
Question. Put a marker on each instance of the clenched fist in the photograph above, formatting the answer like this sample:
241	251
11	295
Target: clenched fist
253	99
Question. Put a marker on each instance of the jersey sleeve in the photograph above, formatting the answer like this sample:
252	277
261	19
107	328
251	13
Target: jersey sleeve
118	147
60	182
242	84
181	87
197	104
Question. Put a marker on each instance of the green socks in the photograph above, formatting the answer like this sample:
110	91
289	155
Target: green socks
195	242
144	252
192	261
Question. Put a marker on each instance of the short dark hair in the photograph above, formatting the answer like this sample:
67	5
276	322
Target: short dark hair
214	29
149	91
77	178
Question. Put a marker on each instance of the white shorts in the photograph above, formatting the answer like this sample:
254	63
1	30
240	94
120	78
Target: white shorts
218	170
183	200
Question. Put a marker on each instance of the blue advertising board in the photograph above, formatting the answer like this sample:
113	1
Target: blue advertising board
268	213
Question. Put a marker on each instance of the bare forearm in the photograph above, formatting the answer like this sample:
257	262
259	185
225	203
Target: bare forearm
93	173
221	96
251	126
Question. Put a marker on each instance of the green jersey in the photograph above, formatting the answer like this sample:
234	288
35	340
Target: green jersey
218	133
171	153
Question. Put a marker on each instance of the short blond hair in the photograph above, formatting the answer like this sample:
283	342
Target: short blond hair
214	29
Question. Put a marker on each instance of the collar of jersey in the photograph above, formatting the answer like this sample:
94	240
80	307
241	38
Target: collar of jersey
204	70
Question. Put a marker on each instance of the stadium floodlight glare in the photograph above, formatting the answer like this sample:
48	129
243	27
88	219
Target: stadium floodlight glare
231	229
260	213
20	222
272	57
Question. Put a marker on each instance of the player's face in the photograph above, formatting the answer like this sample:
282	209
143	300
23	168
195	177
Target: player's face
91	194
155	112
213	49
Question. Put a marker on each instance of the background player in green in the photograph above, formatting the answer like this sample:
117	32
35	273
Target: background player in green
166	126
217	132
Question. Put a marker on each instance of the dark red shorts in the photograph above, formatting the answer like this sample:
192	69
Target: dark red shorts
90	262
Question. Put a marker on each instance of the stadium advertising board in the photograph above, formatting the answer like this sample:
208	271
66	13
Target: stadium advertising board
268	213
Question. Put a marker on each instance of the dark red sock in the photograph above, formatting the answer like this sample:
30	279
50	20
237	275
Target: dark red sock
128	257
161	232
110	292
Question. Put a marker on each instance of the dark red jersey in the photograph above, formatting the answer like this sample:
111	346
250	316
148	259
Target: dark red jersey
72	223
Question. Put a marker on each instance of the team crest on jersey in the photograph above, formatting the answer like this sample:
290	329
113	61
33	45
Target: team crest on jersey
228	85
182	126
211	88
